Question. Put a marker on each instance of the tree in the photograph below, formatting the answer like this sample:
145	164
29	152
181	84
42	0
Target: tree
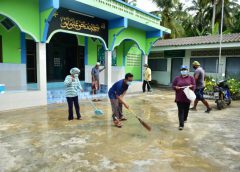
201	23
168	10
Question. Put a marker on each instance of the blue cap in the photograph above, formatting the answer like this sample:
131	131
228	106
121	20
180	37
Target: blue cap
184	67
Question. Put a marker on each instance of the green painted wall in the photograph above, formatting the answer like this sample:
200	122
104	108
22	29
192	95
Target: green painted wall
81	41
92	51
134	66
43	18
11	45
137	35
25	13
120	55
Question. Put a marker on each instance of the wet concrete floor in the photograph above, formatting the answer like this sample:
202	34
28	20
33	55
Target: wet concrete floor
41	139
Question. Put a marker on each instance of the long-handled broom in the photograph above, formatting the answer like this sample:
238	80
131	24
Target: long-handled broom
97	111
144	124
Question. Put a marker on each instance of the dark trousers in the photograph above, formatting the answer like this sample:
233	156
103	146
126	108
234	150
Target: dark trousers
71	101
144	86
183	109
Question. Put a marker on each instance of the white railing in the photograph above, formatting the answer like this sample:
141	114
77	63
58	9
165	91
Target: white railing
124	10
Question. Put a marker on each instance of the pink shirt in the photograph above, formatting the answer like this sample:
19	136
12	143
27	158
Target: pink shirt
182	82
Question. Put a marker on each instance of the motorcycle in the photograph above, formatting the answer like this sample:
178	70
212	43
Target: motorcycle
222	94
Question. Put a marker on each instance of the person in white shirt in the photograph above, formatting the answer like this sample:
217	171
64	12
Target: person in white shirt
147	78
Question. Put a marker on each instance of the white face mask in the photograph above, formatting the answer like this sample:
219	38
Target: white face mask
184	72
75	75
129	83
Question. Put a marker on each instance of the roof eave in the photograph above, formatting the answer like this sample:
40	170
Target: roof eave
202	46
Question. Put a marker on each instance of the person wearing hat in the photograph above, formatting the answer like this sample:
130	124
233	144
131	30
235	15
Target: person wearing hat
95	78
199	75
147	78
183	103
72	86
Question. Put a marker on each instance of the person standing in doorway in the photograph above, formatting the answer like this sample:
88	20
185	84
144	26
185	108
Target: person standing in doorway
147	78
183	103
72	86
199	76
95	79
116	94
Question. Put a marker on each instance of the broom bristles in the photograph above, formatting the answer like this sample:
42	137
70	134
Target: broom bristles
144	124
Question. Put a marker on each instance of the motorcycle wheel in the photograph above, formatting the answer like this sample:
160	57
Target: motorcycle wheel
229	102
219	104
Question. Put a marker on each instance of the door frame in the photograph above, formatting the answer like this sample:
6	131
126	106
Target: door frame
171	77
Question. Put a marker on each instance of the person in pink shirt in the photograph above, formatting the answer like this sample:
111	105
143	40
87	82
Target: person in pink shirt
183	103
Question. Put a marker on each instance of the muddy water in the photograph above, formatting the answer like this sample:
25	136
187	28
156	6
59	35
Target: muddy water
41	139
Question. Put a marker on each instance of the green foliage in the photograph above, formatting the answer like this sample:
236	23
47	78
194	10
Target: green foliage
197	20
234	86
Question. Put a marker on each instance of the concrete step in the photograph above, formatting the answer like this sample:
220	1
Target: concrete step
58	96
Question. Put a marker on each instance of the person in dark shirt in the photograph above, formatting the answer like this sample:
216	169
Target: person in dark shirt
183	103
116	94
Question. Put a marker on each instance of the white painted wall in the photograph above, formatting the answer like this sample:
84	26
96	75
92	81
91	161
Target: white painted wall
24	99
13	76
118	72
162	78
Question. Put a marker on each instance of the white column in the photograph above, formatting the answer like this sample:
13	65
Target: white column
108	70
41	67
144	61
222	67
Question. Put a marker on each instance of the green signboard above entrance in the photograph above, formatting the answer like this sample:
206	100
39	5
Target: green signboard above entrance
77	22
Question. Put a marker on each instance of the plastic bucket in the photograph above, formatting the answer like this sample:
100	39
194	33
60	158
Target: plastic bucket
2	88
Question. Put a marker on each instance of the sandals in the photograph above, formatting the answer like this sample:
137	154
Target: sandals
123	119
117	123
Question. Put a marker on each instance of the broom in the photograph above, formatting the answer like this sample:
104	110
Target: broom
97	111
144	124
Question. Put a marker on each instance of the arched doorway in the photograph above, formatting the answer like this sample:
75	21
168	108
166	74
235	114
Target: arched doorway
131	57
63	53
18	70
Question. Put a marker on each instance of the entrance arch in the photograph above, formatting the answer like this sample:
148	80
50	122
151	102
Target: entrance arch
77	33
131	57
63	53
17	24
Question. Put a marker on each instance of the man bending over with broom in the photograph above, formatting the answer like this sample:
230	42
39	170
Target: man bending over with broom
116	93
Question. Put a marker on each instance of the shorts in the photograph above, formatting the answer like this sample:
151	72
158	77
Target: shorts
199	93
95	85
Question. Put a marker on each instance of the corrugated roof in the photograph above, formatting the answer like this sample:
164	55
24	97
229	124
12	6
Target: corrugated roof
210	39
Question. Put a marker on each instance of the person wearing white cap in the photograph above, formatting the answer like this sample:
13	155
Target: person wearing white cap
95	78
147	78
72	86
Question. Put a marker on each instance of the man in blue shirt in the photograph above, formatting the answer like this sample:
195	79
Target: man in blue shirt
116	93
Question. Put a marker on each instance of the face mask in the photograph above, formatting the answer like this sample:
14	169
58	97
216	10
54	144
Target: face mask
75	75
184	72
129	83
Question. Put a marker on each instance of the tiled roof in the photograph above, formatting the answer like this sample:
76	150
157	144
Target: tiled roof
210	39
